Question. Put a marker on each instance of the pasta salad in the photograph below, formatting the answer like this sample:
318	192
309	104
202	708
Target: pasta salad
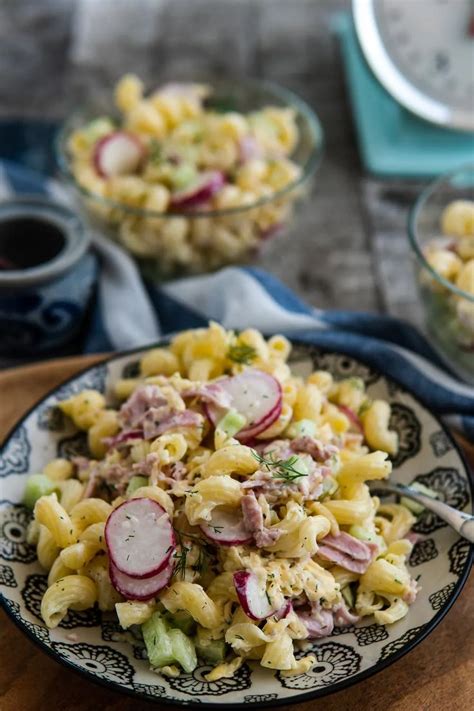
178	152
452	257
223	511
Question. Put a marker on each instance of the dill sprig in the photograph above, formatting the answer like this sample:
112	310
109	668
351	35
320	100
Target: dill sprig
281	468
242	353
181	555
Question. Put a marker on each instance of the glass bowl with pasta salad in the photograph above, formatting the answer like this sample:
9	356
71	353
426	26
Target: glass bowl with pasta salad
221	508
189	177
441	233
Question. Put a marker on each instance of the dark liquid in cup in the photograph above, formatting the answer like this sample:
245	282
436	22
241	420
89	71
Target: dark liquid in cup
27	242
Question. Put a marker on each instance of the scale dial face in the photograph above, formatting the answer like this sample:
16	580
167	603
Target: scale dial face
422	52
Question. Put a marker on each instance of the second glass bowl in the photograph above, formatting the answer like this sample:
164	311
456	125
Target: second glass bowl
168	244
448	309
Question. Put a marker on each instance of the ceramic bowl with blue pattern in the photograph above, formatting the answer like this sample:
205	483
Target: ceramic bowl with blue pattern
46	276
103	652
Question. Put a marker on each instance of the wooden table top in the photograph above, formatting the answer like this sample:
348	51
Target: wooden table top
436	676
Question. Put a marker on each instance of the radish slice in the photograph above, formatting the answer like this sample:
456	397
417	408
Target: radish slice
122	438
284	610
140	538
351	415
140	588
257	396
200	191
254	601
118	153
226	528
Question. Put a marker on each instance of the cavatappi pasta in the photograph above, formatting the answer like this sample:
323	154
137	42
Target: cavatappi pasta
276	539
175	151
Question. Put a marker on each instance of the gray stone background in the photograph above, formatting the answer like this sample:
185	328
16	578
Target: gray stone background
349	248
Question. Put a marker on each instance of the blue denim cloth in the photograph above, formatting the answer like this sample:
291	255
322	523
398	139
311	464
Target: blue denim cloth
129	313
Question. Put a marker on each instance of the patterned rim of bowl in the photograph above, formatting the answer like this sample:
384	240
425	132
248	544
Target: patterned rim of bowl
402	645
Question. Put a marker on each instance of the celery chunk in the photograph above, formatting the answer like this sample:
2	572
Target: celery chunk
182	620
301	428
183	648
135	483
213	652
157	641
38	485
348	596
231	423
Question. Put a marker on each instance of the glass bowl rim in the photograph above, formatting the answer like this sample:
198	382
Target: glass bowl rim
286	95
414	213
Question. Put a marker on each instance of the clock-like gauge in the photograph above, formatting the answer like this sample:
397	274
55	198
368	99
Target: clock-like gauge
422	52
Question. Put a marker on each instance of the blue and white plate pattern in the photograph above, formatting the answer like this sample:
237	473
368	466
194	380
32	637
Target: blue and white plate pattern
94	644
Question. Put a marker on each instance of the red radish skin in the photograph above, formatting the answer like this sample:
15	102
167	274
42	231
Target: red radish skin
257	396
350	414
123	438
254	602
118	153
140	588
200	192
226	528
284	610
140	538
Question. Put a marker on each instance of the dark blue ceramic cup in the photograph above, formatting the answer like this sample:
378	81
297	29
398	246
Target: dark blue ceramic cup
47	276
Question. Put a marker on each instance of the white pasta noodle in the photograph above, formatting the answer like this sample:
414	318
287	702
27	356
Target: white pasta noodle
73	592
133	612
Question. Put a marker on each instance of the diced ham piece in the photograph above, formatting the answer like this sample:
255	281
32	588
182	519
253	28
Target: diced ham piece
343	617
107	481
319	451
90	487
318	622
253	522
348	552
264	482
211	393
176	471
188	418
139	403
278	449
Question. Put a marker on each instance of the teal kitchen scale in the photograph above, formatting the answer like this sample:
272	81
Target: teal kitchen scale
410	72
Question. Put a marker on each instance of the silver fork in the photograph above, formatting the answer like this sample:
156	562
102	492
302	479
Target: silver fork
462	523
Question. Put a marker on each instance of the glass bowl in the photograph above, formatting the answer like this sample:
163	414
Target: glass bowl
448	310
168	244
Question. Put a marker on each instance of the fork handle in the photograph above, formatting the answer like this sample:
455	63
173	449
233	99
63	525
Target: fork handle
462	522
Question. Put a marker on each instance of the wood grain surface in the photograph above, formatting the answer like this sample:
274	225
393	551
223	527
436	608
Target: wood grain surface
438	675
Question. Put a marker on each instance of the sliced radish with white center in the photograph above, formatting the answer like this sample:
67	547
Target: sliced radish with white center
226	528
256	395
118	153
253	600
140	538
200	191
140	588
